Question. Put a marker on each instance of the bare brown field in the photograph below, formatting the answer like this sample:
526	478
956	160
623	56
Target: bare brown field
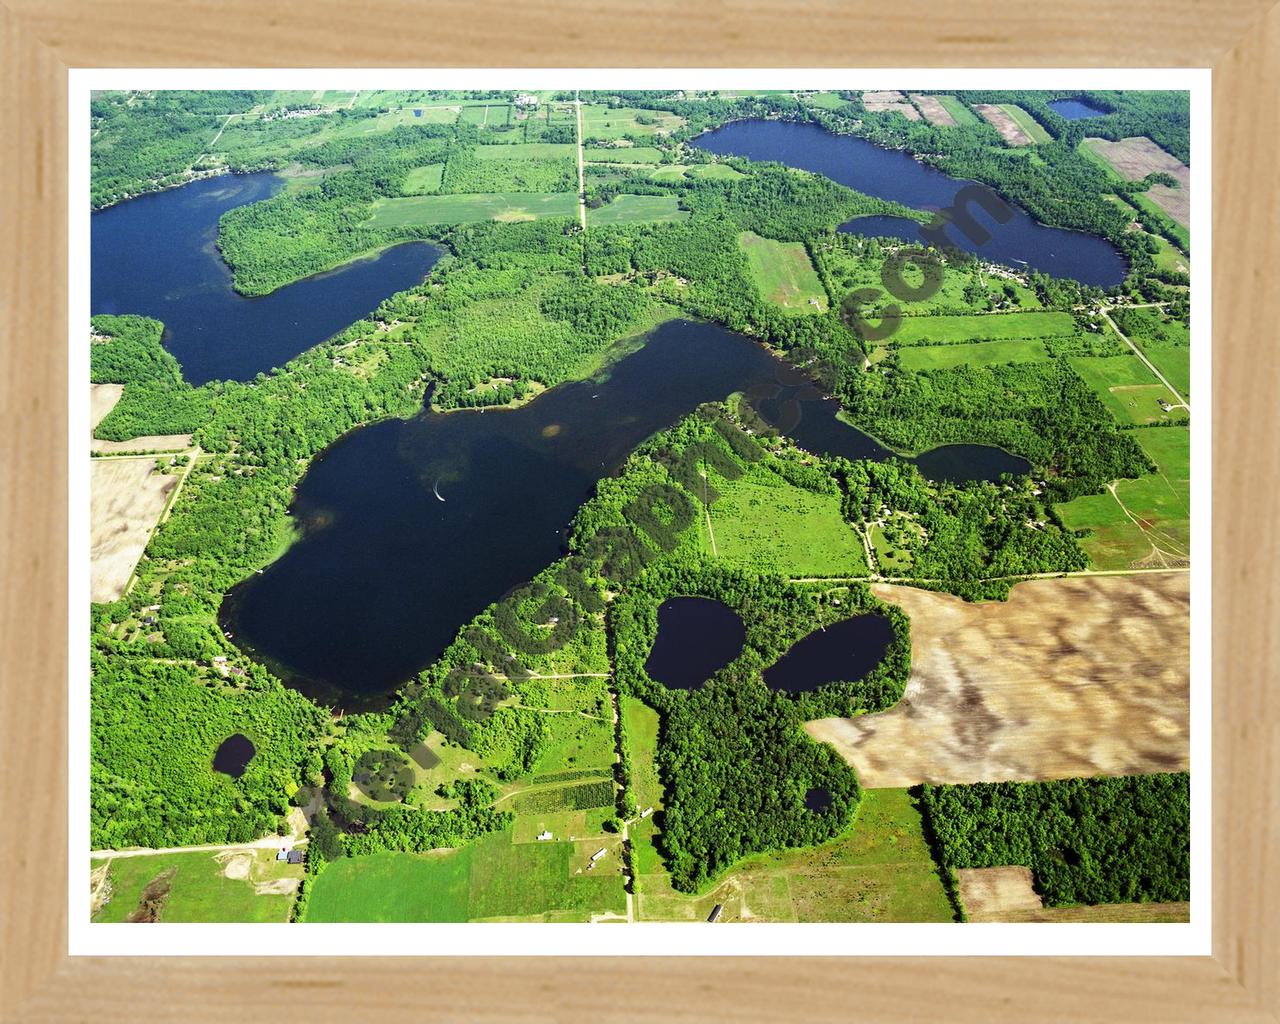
102	399
127	497
998	894
1006	894
1136	157
1070	677
147	443
887	100
1004	124
934	112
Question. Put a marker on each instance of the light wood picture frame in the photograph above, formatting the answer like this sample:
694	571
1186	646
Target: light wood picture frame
40	40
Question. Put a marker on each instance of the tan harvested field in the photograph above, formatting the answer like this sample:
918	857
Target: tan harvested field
934	112
1004	124
102	399
127	497
1136	157
1077	676
147	443
888	100
1006	894
998	894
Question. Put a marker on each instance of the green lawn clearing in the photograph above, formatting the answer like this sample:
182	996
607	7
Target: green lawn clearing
784	274
629	209
465	208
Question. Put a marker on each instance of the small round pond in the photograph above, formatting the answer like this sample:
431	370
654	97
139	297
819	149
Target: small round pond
233	756
817	800
1075	109
696	638
844	652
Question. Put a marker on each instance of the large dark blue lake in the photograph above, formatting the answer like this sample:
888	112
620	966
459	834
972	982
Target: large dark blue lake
895	175
157	255
386	572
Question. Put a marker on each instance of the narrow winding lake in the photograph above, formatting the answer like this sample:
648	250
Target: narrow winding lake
157	255
387	572
896	175
697	637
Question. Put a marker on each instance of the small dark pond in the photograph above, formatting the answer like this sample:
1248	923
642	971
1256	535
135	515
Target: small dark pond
1075	109
844	652
696	638
233	756
818	800
896	175
158	256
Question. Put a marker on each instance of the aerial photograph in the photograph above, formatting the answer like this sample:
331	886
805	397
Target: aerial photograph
688	505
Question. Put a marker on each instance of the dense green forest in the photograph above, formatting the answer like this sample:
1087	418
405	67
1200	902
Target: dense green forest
145	141
1102	840
128	350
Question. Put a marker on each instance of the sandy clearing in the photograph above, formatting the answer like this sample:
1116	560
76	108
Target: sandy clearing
1005	894
882	96
887	100
1136	157
998	894
1068	678
1004	124
235	865
102	399
147	443
934	112
127	497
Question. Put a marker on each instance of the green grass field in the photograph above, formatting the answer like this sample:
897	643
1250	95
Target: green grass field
762	522
1169	258
641	723
200	891
880	870
1160	502
669	172
845	270
629	209
942	330
982	353
962	114
715	172
1026	122
528	151
827	101
1127	388
602	122
622	155
1166	342
487	115
1180	234
492	878
424	180
459	209
784	274
891	559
